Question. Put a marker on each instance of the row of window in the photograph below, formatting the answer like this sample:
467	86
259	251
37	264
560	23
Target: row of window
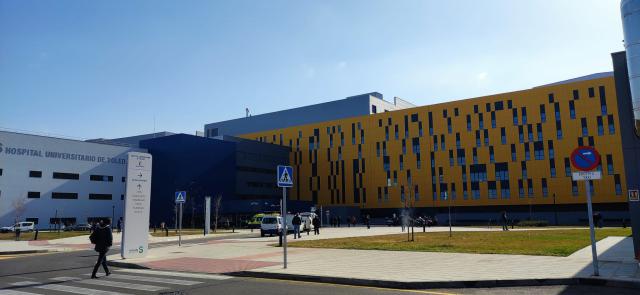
71	176
72	196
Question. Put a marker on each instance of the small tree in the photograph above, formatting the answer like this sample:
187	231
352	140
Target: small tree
217	204
19	206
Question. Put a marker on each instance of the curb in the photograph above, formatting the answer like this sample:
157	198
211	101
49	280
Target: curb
25	252
621	283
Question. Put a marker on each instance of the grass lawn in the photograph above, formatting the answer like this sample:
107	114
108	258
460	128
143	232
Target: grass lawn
42	235
538	242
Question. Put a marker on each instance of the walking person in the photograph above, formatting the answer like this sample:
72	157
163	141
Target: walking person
296	221
367	220
316	225
103	239
120	225
505	219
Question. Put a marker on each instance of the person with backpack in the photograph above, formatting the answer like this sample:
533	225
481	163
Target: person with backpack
103	239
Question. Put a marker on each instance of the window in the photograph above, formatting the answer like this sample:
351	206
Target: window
610	164
480	121
530	186
530	132
538	150
442	145
574	188
503	136
401	162
386	194
545	189
527	152
585	130
379	194
558	129
456	112
523	112
543	114
1	171
572	110
444	113
475	190
478	173
493	120
475	108
33	195
457	140
416	193
498	106
101	178
513	152
492	158
461	157
591	92
600	125
521	134
430	117
505	192
552	167
556	107
486	137
509	104
616	179
567	167
100	197
475	156
520	188
449	128
404	146
35	174
420	132
603	100
612	127
478	142
435	143
451	160
523	167
418	161
468	122
402	193
551	98
539	130
502	171
374	109
576	94
487	107
57	195
61	175
492	189
552	153
384	148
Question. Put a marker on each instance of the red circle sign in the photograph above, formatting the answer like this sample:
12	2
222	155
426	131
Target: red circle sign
585	158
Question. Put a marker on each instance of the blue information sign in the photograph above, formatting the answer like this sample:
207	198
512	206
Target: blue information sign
285	178
181	197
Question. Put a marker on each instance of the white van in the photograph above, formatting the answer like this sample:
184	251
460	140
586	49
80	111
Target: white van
272	224
26	226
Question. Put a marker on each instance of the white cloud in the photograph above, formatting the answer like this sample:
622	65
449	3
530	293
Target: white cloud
481	76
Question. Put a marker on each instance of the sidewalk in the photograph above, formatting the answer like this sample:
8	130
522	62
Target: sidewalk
256	257
82	243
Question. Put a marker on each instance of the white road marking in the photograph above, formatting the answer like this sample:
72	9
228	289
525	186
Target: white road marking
24	283
116	284
77	290
64	279
153	280
12	292
175	274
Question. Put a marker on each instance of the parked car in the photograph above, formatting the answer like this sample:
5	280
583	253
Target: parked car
307	220
78	227
25	226
272	225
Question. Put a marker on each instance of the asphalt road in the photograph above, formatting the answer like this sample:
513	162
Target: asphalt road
68	273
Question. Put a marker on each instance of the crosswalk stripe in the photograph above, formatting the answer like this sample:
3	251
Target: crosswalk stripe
175	274
64	279
24	283
77	290
13	292
122	285
154	280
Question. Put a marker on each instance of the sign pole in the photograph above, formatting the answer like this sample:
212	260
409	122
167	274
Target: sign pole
284	224
180	227
207	217
594	253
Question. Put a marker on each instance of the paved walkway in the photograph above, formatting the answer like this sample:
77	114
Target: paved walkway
258	255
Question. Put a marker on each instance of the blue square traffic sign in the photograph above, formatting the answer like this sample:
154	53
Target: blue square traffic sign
285	176
181	197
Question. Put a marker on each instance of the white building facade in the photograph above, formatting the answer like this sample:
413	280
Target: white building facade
49	180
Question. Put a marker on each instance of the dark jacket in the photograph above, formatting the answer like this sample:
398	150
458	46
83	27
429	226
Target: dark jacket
296	220
102	238
316	222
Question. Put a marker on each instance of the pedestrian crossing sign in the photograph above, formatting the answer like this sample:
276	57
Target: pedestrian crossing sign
181	197
285	176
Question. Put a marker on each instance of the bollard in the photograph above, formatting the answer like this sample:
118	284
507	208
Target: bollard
233	229
35	237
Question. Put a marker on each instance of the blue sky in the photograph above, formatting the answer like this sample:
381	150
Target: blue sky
89	69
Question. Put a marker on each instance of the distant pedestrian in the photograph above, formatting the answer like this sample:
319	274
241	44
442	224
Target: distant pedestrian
120	225
354	221
103	239
367	221
348	221
316	225
296	221
505	219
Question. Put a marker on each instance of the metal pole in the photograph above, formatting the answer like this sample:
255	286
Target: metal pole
594	253
555	209
113	215
180	227
321	225
284	224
